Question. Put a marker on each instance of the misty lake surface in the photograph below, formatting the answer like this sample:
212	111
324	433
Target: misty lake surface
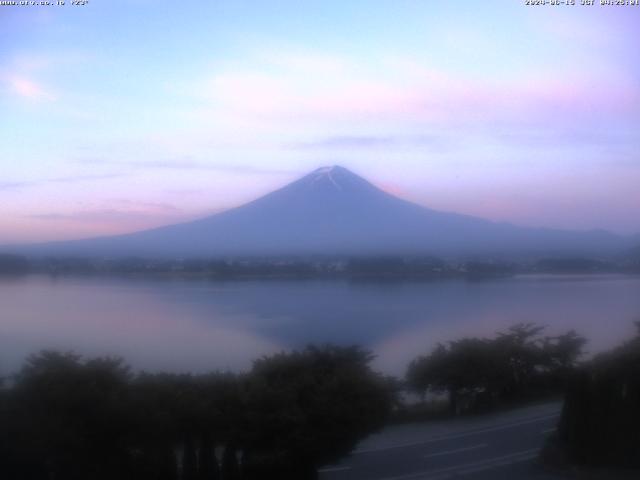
200	325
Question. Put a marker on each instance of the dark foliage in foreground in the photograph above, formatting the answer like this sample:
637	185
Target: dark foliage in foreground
600	424
478	373
65	418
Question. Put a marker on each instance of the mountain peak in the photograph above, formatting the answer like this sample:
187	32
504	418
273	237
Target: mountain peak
326	174
334	178
335	211
329	169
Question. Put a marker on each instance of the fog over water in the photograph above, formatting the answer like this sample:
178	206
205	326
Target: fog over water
198	325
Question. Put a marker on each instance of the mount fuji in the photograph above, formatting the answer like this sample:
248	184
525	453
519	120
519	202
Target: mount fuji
334	211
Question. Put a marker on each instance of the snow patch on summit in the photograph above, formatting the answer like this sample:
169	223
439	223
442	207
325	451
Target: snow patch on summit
325	172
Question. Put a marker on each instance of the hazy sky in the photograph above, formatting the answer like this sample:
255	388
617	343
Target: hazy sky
121	115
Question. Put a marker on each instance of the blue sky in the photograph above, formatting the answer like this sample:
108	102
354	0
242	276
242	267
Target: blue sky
123	115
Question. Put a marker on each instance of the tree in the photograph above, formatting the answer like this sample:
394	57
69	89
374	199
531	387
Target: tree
70	416
600	420
564	350
310	407
515	364
464	369
521	350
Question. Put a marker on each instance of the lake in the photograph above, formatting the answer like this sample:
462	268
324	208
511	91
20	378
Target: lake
198	325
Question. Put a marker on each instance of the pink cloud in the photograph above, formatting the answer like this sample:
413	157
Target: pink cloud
417	93
27	88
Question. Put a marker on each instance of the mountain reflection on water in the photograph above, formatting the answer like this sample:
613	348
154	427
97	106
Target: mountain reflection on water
186	324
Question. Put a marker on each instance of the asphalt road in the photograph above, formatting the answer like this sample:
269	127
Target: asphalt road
502	446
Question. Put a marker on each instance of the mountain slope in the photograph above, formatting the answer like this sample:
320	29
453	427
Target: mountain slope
334	211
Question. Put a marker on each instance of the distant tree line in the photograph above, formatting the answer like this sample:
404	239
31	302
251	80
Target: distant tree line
575	265
481	373
13	264
600	423
387	267
65	418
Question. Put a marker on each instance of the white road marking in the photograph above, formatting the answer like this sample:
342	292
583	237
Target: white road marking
333	469
510	460
458	435
457	450
548	430
481	465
